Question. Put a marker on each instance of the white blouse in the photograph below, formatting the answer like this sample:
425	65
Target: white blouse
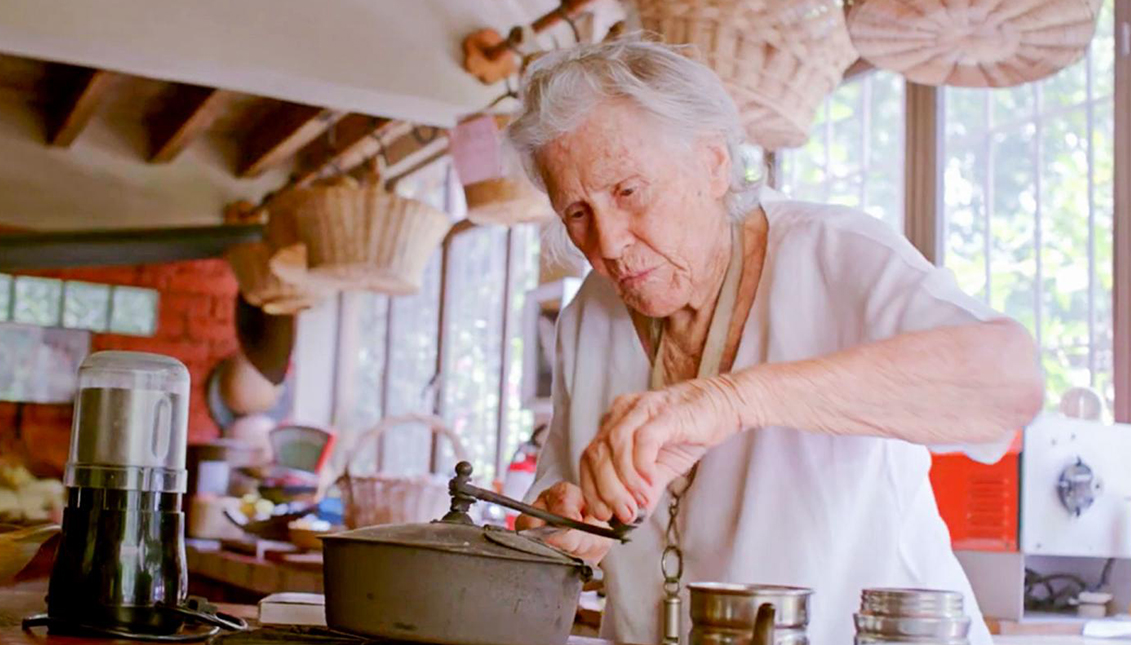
779	505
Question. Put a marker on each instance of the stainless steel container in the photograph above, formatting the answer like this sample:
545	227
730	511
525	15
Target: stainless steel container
130	424
921	616
726	614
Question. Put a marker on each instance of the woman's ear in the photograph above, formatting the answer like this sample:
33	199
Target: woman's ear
716	156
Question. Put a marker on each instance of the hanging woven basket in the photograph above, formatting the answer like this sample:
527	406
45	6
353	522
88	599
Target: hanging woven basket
997	43
495	186
362	236
506	201
778	58
253	264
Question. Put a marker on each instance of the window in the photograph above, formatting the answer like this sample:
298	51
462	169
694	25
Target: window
518	422
473	343
1027	180
49	302
854	155
390	346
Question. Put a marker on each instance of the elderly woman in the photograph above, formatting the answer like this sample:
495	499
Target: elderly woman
768	373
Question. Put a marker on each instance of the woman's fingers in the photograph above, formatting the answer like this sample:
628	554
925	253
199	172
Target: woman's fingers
622	434
610	488
563	499
593	501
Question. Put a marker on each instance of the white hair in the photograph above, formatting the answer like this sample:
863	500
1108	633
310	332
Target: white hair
561	87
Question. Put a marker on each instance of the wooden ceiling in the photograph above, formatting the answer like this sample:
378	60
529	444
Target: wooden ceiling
311	140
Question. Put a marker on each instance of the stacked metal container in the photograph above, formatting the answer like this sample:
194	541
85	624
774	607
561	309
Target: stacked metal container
921	616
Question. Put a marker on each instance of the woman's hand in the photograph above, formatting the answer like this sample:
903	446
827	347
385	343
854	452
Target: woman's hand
566	500
646	440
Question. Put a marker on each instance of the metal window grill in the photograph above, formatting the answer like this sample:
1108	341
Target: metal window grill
1025	171
854	155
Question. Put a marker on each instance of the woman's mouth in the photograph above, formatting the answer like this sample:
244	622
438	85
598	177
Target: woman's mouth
633	279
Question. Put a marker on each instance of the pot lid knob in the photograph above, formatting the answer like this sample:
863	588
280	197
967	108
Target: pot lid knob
461	498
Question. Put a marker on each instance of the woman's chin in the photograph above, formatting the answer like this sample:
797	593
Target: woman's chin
650	304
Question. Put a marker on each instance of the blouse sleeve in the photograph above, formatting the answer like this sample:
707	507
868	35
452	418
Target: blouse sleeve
889	288
553	460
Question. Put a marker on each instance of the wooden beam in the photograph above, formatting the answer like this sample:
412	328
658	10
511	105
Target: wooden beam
1122	213
192	110
350	141
282	134
73	95
922	211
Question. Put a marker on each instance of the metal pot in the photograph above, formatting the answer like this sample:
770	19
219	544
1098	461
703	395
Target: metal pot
738	614
452	582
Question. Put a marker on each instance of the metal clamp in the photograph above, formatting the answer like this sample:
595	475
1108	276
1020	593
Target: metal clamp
464	494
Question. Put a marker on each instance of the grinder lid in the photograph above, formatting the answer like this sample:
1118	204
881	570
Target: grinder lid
467	539
130	427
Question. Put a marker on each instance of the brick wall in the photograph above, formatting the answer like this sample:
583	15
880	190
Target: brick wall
195	325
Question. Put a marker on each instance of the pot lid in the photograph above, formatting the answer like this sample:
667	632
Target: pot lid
457	537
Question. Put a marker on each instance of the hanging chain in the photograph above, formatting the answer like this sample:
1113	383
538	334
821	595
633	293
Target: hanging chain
671	565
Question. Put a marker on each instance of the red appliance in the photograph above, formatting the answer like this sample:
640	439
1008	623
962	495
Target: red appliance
980	503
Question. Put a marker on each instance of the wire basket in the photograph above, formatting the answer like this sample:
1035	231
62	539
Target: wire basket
368	500
779	59
999	43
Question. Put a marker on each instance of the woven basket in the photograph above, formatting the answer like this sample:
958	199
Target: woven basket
253	263
997	43
506	200
364	237
779	59
389	499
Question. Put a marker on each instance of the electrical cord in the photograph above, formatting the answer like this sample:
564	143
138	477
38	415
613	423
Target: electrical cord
195	608
1056	591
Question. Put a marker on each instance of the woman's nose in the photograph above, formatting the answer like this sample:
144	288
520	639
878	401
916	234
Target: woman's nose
613	233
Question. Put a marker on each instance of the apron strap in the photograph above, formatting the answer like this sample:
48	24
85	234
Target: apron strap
712	358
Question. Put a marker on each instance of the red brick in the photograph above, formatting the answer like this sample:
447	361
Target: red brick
129	343
193	281
189	352
225	347
224	307
209	329
46	446
185	303
155	276
106	275
170	323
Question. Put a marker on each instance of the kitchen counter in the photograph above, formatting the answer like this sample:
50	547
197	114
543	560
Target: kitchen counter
14	605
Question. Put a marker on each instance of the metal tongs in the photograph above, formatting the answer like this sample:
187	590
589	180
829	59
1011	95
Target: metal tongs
464	494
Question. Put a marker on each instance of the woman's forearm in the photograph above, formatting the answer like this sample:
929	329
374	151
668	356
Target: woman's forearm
965	384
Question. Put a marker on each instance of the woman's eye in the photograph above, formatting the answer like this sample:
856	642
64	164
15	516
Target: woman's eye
627	192
575	214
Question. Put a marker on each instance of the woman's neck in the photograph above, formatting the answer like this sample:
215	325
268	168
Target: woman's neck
686	329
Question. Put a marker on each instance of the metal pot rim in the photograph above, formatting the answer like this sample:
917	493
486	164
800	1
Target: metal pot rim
741	589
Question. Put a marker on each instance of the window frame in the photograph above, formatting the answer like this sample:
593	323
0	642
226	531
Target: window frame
924	212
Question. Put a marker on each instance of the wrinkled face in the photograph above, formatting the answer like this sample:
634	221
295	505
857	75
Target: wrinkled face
644	207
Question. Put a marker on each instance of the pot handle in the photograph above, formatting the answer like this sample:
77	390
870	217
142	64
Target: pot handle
437	425
764	625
